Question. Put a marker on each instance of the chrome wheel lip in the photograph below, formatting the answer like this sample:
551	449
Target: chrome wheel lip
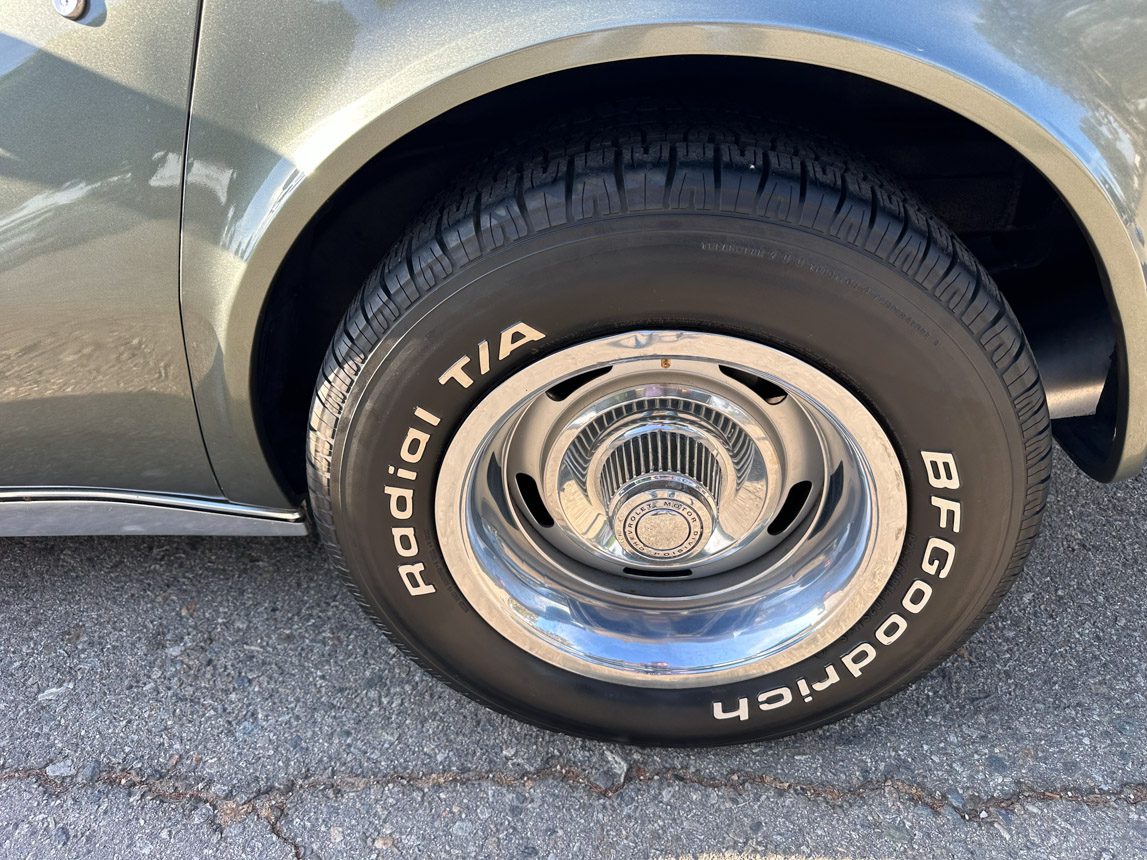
496	575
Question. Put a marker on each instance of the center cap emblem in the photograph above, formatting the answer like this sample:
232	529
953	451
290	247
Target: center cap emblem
662	524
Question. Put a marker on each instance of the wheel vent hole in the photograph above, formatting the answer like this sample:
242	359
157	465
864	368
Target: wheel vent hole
790	510
564	389
532	498
767	391
658	574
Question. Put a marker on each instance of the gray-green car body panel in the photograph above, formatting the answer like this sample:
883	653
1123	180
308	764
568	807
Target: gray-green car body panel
281	106
94	388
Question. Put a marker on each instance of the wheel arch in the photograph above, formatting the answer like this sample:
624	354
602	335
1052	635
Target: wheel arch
236	242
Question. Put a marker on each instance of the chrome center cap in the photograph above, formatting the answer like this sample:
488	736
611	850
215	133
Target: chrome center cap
651	475
662	480
663	517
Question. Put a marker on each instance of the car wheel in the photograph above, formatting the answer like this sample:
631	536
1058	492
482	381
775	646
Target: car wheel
679	431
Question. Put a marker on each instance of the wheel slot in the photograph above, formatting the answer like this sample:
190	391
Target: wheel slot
532	497
790	510
567	387
767	391
659	574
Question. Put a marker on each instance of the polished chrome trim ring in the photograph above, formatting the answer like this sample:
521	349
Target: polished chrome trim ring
553	608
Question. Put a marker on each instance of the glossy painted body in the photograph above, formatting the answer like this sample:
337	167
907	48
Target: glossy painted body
338	81
94	390
288	105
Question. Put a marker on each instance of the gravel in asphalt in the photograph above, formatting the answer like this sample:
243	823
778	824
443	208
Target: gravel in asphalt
226	698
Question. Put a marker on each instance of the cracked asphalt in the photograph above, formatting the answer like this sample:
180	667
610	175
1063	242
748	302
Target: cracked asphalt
226	698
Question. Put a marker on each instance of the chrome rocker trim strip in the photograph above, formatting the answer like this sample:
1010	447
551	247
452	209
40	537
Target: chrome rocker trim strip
63	512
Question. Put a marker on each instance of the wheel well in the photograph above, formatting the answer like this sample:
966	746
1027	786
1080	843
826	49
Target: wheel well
995	200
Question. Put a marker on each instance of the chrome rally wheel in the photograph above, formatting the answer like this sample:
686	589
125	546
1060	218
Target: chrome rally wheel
675	434
670	509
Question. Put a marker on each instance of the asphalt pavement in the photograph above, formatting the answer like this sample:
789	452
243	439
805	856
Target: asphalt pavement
226	698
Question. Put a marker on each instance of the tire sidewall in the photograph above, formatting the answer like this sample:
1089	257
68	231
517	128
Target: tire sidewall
918	368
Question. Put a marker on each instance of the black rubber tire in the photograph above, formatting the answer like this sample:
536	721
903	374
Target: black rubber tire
666	220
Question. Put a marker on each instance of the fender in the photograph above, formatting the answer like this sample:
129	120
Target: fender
287	106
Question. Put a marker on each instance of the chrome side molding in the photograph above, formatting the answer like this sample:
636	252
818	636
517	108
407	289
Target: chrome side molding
60	512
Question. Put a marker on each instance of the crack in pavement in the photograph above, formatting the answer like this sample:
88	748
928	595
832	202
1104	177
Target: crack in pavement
270	805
